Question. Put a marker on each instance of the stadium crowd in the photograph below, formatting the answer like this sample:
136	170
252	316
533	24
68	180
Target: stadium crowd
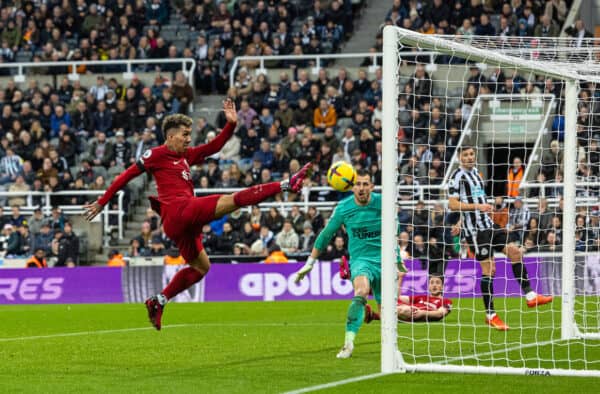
74	137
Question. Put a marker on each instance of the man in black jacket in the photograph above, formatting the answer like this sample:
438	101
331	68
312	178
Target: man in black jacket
67	248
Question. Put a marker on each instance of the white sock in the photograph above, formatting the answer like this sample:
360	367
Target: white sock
349	340
285	184
531	295
161	299
490	316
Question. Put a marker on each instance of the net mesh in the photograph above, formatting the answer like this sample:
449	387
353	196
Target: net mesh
515	118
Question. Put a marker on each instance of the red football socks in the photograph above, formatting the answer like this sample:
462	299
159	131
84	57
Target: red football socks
255	194
182	280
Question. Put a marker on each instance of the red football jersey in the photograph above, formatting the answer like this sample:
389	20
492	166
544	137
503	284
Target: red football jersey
428	303
170	169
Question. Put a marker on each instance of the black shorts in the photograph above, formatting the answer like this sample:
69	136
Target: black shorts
485	242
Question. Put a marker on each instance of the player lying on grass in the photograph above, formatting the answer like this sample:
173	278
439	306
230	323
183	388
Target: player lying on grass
420	308
182	214
360	214
467	196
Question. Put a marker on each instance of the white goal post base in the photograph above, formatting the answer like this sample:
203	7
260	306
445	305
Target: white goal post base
462	369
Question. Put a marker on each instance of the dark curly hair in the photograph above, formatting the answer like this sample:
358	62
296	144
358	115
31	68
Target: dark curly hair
173	122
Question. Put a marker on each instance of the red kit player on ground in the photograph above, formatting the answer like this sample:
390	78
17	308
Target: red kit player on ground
182	214
421	308
430	307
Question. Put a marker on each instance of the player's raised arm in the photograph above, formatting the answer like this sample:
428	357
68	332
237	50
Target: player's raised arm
94	208
197	154
333	225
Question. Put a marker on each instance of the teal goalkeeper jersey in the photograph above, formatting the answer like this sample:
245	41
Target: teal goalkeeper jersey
363	225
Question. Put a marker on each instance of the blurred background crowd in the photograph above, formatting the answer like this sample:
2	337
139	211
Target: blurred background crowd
67	136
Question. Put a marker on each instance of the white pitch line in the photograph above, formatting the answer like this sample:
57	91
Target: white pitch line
510	349
133	329
337	383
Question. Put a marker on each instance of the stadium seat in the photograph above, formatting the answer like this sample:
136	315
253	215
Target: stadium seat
100	170
114	171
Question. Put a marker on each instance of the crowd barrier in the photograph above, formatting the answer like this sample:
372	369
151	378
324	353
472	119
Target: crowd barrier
269	282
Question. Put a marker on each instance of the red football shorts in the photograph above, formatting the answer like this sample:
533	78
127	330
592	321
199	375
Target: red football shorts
183	222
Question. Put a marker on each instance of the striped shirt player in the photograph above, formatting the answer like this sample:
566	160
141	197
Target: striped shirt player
466	194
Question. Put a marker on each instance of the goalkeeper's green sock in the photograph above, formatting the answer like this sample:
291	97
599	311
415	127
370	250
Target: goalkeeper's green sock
356	315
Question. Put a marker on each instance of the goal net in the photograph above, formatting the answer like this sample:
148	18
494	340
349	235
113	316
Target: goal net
530	108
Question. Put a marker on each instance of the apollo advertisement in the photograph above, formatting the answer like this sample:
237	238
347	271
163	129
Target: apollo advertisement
269	282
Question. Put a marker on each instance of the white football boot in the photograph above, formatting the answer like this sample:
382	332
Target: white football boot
346	351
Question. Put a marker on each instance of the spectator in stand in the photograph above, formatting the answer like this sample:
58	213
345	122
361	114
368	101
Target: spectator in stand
264	155
56	220
101	151
58	118
16	218
13	241
18	186
287	239
552	159
546	28
159	243
533	232
514	177
556	10
183	91
11	165
35	221
336	250
284	114
552	243
145	237
246	114
102	119
518	219
500	213
485	28
26	240
99	90
307	238
65	247
37	260
265	240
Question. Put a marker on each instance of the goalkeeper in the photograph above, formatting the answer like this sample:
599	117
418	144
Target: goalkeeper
360	214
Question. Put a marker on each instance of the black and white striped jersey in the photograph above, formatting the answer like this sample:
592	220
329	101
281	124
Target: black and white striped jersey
469	188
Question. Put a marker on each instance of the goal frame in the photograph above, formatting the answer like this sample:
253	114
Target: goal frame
391	357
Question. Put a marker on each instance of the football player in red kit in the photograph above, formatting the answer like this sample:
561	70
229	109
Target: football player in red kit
183	214
421	308
430	307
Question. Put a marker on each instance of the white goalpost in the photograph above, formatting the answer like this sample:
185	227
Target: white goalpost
512	99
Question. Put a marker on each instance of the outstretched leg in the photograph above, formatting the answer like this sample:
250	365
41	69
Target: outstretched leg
183	280
256	194
202	210
515	255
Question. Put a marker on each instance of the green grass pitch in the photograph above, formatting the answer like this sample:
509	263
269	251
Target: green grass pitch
251	348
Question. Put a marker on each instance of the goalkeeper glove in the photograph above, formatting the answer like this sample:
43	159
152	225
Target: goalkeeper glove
344	268
301	273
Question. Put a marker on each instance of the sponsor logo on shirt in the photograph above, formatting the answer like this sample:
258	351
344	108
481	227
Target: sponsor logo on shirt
365	233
